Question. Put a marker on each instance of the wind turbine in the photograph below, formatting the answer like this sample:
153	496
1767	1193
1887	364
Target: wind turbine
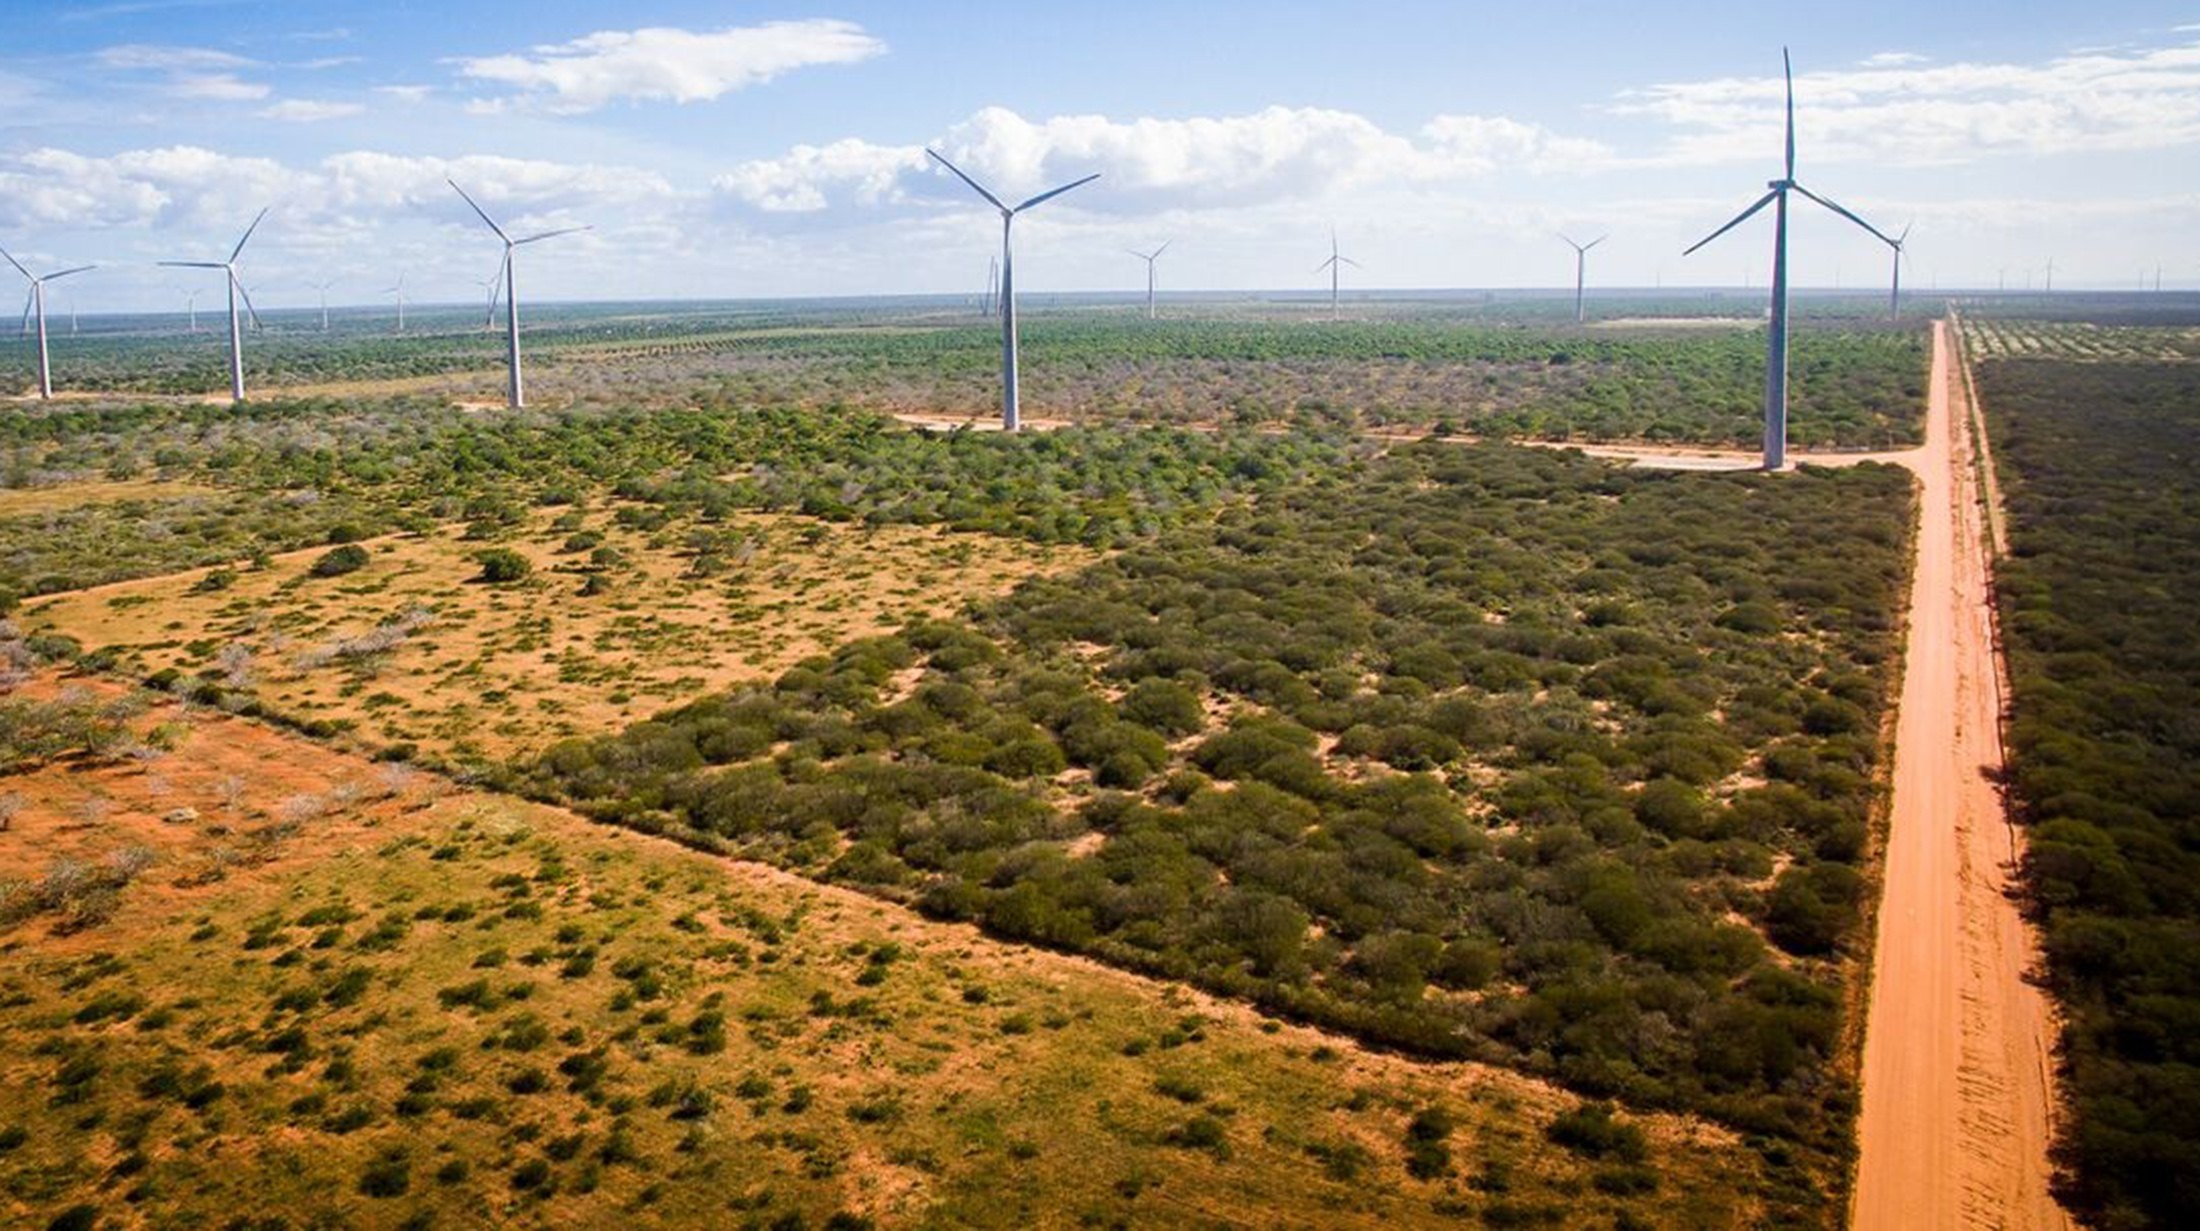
1776	337
2050	287
36	299
1149	258
1337	261
515	391
399	291
236	288
488	287
323	288
1581	269
1010	418
1894	292
191	308
989	303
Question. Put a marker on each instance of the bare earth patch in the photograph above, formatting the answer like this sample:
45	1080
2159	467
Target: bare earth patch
25	501
415	648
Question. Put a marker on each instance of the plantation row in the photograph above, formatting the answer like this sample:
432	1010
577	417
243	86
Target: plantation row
1479	751
2098	598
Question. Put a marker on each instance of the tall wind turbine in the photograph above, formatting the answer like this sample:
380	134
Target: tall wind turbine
515	391
1581	269
1337	261
236	288
323	288
36	300
399	291
1776	337
1149	258
1011	420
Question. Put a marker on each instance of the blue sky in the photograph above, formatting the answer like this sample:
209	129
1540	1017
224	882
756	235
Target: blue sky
736	150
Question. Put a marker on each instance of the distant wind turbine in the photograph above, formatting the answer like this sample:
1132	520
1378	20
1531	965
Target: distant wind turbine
1336	262
1011	418
399	291
1581	270
2050	287
236	288
1894	291
323	288
35	300
515	390
1149	258
1776	337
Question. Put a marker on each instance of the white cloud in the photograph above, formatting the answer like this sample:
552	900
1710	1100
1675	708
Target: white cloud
667	65
1276	154
405	93
225	87
1892	59
155	56
309	111
1905	113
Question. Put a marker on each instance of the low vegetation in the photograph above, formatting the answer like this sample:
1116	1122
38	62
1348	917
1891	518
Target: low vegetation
2097	599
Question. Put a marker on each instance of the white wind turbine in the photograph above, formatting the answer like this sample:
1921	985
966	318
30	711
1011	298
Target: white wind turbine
1336	262
35	300
1149	258
323	288
515	390
1581	269
236	288
399	291
1776	336
1894	286
1011	418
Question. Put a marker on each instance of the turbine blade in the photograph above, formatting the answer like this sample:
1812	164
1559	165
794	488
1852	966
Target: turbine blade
1739	219
975	186
1846	214
195	264
1048	196
77	269
237	251
1787	67
247	300
1325	264
18	265
1349	261
478	210
548	235
28	296
1163	248
1594	242
1568	240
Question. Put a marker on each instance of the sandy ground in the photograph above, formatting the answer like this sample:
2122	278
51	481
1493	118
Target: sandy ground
1957	1052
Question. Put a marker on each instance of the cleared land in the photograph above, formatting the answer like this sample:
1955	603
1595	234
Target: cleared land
414	648
1957	1053
418	1002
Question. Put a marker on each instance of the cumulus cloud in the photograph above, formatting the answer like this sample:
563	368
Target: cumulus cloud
1276	154
309	111
666	65
1905	112
187	187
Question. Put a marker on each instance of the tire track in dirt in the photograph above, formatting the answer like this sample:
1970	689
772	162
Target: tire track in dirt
1957	1104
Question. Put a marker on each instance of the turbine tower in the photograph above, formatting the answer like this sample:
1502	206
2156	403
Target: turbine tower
36	300
515	391
1776	337
1011	419
399	291
236	288
1337	261
1149	258
1581	269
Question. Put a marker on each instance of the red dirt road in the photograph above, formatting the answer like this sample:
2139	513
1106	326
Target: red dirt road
1957	1052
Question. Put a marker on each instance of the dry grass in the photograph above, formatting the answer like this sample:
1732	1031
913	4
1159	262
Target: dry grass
414	649
26	501
400	979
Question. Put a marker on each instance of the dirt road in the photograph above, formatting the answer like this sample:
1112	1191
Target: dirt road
1957	1050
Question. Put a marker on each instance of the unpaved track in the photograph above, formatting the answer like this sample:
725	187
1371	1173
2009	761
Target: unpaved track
1957	1049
